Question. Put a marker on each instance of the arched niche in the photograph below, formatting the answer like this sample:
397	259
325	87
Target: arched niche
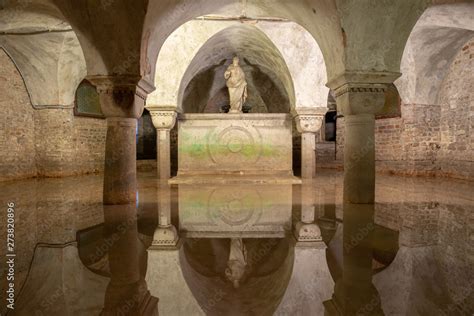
265	68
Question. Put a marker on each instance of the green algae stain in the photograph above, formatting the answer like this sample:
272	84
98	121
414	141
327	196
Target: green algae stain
200	147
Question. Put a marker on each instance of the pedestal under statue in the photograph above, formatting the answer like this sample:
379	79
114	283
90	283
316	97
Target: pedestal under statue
237	85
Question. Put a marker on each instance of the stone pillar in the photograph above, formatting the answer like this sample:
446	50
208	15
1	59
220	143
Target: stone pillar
164	119
308	123
359	103
122	99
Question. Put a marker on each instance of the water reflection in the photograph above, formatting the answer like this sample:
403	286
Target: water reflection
354	292
252	250
127	292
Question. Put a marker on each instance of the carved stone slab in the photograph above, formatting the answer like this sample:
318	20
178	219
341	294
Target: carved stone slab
245	144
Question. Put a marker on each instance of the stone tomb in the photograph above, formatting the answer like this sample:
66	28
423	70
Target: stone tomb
235	147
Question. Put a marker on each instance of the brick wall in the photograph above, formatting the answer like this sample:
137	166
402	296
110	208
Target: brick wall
43	142
16	124
430	140
68	145
456	146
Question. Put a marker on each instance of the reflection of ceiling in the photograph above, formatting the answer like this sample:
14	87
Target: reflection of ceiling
59	284
267	281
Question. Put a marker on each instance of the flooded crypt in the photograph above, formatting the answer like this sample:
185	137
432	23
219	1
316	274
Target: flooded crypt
231	157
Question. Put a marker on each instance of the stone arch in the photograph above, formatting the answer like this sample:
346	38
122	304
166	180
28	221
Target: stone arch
46	52
321	21
253	47
306	66
433	44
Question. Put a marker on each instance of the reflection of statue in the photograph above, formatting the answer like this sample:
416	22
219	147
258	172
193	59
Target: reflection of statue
237	264
237	85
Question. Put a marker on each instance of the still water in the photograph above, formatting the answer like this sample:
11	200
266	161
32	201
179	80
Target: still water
241	249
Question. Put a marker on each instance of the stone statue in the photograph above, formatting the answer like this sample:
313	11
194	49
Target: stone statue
237	85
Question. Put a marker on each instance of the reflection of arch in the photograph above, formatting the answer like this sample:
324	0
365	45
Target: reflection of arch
249	43
433	44
268	282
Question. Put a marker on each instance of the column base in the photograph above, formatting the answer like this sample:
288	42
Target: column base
307	232
165	237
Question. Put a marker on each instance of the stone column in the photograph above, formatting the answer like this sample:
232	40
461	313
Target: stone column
308	123
359	102
121	99
164	119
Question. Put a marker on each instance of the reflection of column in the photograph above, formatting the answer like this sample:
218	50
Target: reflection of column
121	99
354	293
127	292
164	119
308	122
166	235
307	229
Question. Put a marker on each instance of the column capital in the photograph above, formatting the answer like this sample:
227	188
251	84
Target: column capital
309	120
122	96
164	118
360	98
361	92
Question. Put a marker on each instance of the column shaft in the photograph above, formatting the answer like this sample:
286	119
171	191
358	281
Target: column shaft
163	154
359	159
308	155
120	181
164	206
307	203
